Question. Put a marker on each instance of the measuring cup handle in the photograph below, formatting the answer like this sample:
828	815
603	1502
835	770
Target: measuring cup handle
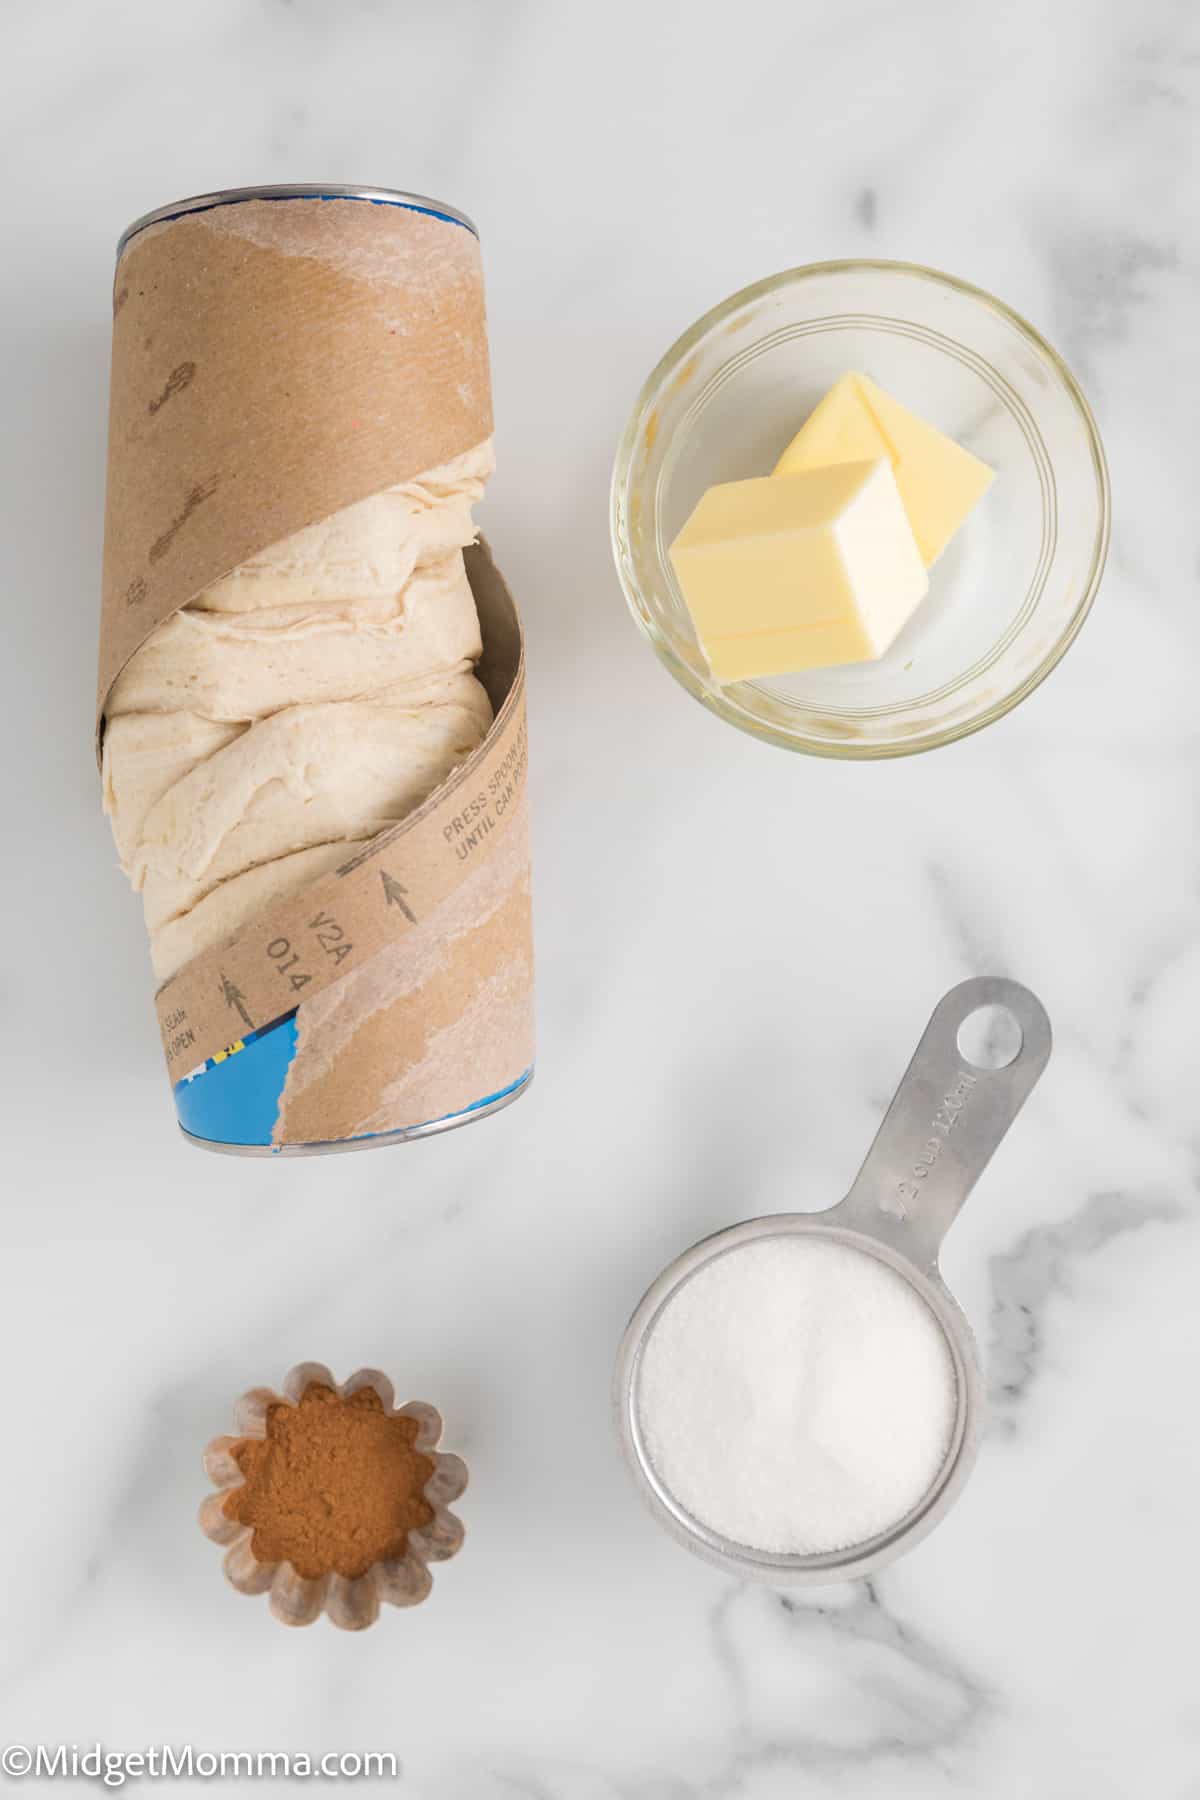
947	1118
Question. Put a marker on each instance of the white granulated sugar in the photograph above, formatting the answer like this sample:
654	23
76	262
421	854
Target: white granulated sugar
796	1395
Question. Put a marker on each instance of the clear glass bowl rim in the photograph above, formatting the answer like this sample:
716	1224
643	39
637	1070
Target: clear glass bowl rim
679	352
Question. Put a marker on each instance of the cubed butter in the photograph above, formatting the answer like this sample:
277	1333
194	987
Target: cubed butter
939	481
799	571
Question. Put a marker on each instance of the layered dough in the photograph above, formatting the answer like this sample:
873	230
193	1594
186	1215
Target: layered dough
238	666
305	776
302	704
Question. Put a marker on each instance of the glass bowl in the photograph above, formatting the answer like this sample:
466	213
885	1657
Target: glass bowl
1014	586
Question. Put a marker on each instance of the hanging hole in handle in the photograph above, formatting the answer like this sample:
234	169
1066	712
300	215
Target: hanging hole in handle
990	1037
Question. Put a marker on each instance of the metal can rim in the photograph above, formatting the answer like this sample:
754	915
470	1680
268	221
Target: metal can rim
295	190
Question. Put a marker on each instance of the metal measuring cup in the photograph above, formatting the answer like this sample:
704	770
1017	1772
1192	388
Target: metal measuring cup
938	1135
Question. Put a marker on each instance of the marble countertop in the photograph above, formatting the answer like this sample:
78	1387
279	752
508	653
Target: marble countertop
737	948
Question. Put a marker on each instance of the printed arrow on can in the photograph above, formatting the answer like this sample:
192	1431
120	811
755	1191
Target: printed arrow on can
234	997
394	895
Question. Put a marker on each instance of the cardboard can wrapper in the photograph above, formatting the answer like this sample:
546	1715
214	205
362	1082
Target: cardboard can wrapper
279	354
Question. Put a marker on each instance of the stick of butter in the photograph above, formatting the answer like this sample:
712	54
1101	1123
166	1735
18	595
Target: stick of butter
939	481
799	571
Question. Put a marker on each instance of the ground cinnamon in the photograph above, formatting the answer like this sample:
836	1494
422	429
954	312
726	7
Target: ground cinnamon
335	1485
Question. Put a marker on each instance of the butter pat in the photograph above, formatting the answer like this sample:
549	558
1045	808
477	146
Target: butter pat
799	571
939	481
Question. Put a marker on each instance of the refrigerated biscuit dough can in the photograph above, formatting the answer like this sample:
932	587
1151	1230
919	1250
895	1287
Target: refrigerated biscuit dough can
281	354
